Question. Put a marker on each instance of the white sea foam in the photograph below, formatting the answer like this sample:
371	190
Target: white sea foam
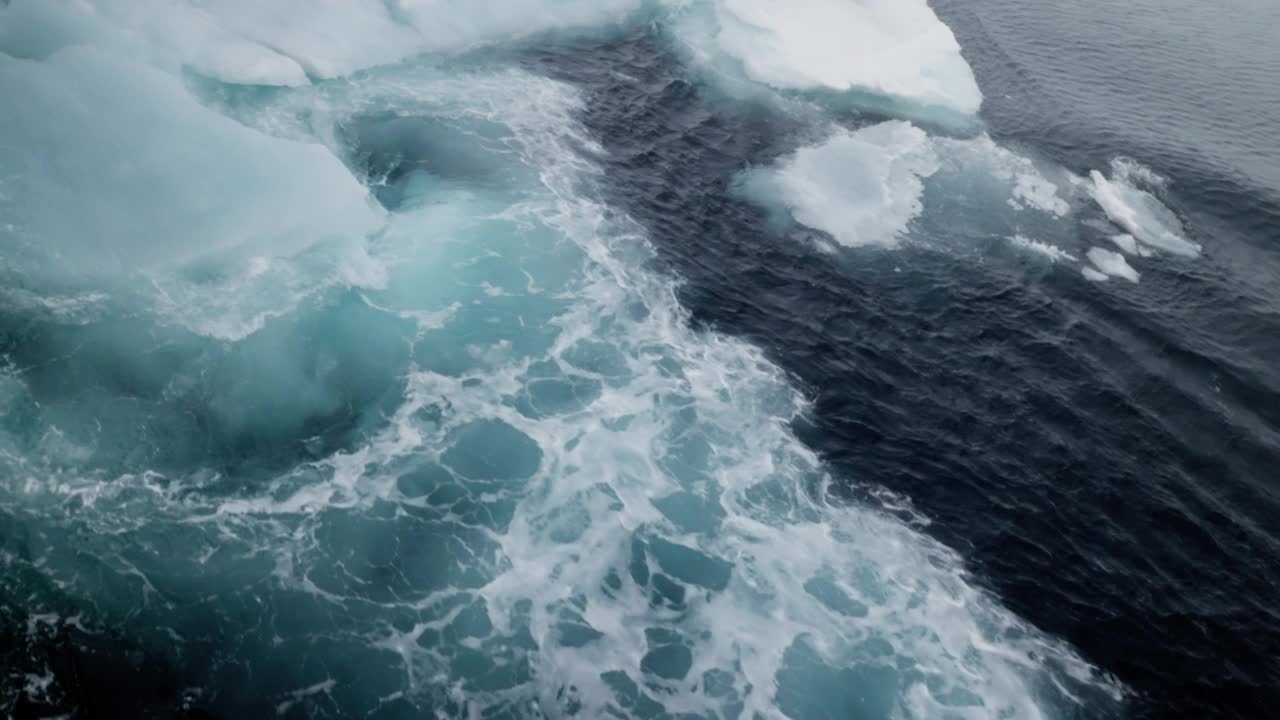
894	49
1053	252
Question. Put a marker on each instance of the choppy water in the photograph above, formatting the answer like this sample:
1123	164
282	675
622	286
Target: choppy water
625	359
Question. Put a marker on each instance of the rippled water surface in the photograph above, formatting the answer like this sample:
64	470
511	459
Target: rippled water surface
667	359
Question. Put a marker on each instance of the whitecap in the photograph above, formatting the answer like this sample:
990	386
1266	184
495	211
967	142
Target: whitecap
1053	252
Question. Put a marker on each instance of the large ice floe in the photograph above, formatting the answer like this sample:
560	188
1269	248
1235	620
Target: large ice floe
887	49
366	403
115	165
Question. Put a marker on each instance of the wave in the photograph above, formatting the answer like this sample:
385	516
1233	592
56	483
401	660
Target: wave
461	453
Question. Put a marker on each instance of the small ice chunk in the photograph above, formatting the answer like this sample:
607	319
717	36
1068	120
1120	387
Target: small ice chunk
1112	263
1139	213
1034	190
1126	242
862	187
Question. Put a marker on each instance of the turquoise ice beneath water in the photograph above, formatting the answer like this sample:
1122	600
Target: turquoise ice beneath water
345	394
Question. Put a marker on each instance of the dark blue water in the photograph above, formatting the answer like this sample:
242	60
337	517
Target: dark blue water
1186	89
1104	463
517	380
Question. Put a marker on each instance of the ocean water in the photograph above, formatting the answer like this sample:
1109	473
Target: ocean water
639	359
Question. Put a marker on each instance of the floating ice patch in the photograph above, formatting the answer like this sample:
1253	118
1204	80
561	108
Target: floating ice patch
861	188
1034	190
889	48
866	186
1093	275
1112	264
1030	183
1137	211
1127	244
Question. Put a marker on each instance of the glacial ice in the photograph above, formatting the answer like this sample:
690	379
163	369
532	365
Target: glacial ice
892	49
103	185
286	43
